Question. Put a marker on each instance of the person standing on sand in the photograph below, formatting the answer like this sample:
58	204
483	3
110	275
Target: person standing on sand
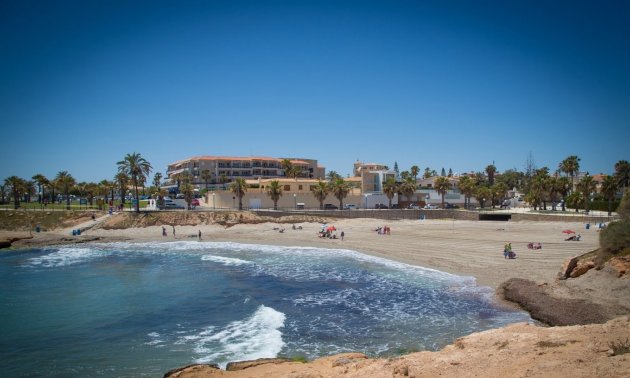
342	235
163	231
199	235
173	230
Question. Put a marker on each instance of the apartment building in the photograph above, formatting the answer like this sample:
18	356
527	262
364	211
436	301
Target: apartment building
226	168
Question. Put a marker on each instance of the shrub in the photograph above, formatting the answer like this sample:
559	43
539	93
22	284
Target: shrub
616	236
620	347
624	207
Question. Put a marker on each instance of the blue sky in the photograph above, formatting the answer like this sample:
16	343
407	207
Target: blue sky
453	84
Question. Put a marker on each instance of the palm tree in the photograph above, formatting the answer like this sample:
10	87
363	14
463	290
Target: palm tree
498	192
564	187
320	191
239	187
609	190
540	184
122	180
415	170
333	176
157	180
17	186
442	185
587	186
186	188
274	191
427	173
340	189
570	166
65	181
390	188
408	188
490	171
206	176
404	175
622	174
467	186
41	181
136	167
481	194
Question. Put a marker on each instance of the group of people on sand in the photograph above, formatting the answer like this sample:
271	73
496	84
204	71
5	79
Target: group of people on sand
507	251
385	230
165	234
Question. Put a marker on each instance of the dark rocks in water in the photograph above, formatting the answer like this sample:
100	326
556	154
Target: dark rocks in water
175	372
552	310
5	244
242	365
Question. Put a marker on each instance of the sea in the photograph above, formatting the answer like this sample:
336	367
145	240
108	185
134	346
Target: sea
141	309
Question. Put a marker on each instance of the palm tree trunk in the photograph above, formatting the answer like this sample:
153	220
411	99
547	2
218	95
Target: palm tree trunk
135	186
609	206
66	191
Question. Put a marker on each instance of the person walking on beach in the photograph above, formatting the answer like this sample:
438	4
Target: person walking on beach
199	235
163	231
342	235
173	230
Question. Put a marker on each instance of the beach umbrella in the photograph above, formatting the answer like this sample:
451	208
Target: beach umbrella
331	228
568	232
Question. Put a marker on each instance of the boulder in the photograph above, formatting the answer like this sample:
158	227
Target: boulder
189	369
581	268
568	267
621	265
241	365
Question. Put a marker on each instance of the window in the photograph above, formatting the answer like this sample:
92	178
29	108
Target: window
287	188
299	187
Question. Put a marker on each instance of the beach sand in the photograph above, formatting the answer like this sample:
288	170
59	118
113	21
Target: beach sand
466	248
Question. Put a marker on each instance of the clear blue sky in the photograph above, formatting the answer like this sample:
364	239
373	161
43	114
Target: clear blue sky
453	84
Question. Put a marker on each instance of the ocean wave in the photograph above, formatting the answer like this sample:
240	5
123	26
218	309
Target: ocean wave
225	260
64	256
256	337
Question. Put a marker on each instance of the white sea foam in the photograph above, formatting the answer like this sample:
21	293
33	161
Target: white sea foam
66	256
258	336
225	260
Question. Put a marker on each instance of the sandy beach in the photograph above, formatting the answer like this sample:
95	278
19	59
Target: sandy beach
466	248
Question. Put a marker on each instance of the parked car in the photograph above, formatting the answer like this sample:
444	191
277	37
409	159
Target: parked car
330	206
430	206
413	206
350	206
450	206
395	206
381	206
180	195
171	206
195	202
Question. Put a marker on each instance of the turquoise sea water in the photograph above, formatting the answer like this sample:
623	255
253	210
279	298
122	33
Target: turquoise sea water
123	309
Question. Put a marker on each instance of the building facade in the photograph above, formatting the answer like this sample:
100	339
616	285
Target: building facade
223	169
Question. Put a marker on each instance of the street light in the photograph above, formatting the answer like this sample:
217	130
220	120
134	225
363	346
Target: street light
365	195
427	199
213	203
294	201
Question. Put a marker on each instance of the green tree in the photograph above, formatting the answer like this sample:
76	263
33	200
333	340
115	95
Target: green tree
157	180
405	175
65	181
41	181
467	186
622	174
498	191
274	191
138	169
340	189
333	176
443	174
587	186
570	166
408	187
17	186
390	188
122	181
482	193
442	185
206	176
490	171
427	173
415	170
610	187
540	184
320	191
450	172
187	188
239	187
564	188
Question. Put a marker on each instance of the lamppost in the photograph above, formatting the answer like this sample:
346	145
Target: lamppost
365	195
483	202
213	203
233	201
294	201
427	200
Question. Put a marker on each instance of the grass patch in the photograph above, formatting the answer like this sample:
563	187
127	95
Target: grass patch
619	348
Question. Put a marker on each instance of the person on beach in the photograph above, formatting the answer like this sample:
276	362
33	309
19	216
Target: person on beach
342	235
173	230
163	231
199	235
506	250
